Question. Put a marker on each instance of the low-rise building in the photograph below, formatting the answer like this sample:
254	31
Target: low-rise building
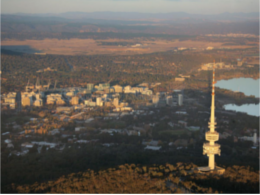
89	120
193	128
118	89
42	143
82	141
10	100
54	132
181	79
153	148
77	129
27	145
183	123
64	109
181	112
27	101
60	102
38	102
7	141
111	131
147	92
89	103
74	100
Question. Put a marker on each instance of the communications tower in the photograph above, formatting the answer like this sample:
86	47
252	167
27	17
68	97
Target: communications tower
211	148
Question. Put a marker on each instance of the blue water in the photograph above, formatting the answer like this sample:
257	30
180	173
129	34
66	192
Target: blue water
250	109
246	85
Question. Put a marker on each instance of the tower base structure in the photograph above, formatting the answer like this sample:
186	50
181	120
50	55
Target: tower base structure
217	169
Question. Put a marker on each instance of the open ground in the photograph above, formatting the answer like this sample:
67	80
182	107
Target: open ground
91	47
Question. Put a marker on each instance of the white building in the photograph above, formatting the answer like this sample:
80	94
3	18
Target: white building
89	120
152	148
79	128
99	101
54	132
253	139
27	145
51	145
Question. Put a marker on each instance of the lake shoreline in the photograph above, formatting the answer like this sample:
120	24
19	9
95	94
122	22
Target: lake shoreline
245	108
238	77
244	101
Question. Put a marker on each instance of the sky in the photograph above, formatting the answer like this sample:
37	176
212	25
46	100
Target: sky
143	6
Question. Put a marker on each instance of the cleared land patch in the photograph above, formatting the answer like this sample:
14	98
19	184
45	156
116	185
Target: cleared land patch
91	47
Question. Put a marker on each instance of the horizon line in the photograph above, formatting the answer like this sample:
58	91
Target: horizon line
129	12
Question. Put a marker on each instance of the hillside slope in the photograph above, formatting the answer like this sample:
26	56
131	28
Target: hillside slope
153	179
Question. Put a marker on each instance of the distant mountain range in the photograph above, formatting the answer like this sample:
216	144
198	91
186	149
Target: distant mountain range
174	16
38	26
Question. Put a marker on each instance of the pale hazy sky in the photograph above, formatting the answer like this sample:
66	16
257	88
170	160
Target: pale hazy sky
145	6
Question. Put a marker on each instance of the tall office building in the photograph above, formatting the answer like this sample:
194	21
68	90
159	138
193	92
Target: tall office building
116	102
98	101
255	138
156	99
90	86
180	99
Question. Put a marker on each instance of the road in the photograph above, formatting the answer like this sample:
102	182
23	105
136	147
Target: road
70	66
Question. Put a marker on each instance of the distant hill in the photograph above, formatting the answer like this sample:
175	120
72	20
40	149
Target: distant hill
33	26
173	16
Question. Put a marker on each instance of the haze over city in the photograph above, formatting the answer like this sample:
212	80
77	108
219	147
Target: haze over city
142	6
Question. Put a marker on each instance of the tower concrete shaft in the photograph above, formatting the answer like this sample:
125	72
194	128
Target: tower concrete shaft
211	148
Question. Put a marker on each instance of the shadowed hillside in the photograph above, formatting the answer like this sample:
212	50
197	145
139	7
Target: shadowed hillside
153	179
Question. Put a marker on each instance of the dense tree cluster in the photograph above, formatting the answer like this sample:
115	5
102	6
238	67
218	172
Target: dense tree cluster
123	70
90	35
53	164
179	178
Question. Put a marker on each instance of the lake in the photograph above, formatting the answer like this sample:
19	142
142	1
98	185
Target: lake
246	85
250	109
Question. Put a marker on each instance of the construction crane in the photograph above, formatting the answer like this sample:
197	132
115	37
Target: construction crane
27	86
110	80
55	84
37	83
49	84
